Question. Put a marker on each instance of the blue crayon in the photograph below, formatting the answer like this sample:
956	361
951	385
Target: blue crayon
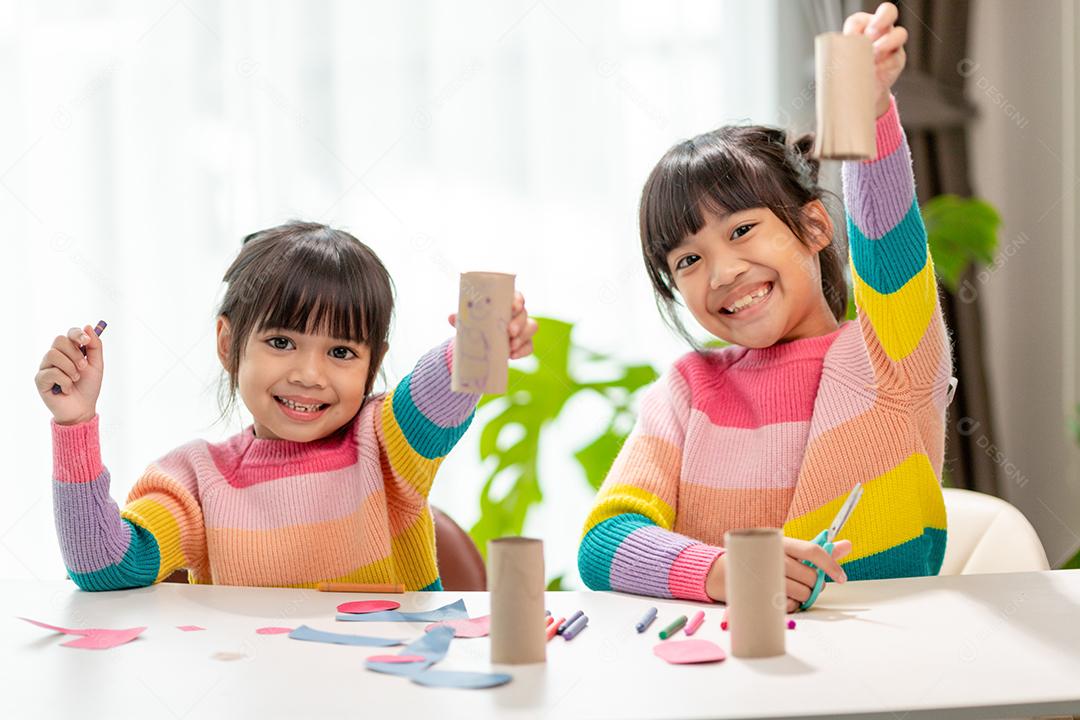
569	621
571	632
646	621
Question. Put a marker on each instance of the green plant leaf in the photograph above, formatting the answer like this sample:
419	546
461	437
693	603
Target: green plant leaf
535	397
960	231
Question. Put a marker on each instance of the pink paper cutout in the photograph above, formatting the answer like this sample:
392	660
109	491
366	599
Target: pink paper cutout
361	607
105	639
66	631
397	658
467	628
689	651
273	630
189	628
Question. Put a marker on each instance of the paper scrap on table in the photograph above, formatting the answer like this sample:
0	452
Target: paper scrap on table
104	639
467	628
272	630
189	628
359	607
460	679
681	652
307	633
92	638
432	646
397	658
66	631
453	611
228	656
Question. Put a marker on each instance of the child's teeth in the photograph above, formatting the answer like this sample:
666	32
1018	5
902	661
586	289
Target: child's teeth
749	299
296	406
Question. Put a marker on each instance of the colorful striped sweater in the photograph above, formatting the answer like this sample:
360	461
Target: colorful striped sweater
350	507
778	436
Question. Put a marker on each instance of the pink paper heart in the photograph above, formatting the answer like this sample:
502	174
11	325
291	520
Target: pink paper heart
274	630
397	658
105	639
681	652
359	607
467	628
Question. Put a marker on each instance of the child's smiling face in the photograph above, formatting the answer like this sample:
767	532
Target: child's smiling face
299	386
753	252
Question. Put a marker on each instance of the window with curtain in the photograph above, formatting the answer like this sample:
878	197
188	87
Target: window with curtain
142	140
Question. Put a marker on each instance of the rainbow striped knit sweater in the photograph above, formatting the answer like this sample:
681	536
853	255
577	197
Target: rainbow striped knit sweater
350	507
778	436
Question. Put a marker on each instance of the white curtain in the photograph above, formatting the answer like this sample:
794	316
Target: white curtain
142	140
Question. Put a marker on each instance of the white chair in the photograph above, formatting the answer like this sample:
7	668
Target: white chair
988	535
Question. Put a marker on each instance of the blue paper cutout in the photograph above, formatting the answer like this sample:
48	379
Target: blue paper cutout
453	611
431	646
306	633
460	679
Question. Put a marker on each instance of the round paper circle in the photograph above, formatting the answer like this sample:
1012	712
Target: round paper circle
690	651
359	607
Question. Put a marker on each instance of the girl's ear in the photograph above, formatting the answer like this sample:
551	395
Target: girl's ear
819	224
224	337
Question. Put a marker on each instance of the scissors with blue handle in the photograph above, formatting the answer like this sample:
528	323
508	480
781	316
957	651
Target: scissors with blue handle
825	539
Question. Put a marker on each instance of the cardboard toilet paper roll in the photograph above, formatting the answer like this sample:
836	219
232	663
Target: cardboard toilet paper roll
755	591
516	581
844	66
482	347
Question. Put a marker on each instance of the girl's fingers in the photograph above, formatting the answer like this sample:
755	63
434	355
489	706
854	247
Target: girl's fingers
884	18
521	351
797	591
69	347
61	362
856	23
518	305
886	44
45	379
795	570
803	550
92	344
792	606
841	549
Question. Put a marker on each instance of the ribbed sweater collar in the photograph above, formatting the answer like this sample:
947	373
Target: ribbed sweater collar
813	348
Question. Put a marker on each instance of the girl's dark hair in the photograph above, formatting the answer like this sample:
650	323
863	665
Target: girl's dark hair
728	170
306	277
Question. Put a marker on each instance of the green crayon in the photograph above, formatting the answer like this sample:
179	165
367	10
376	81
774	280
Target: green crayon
673	628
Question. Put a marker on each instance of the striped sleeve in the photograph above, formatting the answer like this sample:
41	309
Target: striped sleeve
104	548
628	543
892	270
422	419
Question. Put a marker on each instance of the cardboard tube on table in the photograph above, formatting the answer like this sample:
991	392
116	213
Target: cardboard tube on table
844	67
516	581
755	591
482	347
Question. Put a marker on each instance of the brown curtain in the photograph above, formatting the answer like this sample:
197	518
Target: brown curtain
930	95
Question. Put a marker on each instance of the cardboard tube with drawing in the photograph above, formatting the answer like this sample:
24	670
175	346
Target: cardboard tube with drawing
516	582
482	346
755	591
844	67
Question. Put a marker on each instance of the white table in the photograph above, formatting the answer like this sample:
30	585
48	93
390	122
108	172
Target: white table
946	647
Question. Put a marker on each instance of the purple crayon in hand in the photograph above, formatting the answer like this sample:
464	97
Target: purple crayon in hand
98	329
